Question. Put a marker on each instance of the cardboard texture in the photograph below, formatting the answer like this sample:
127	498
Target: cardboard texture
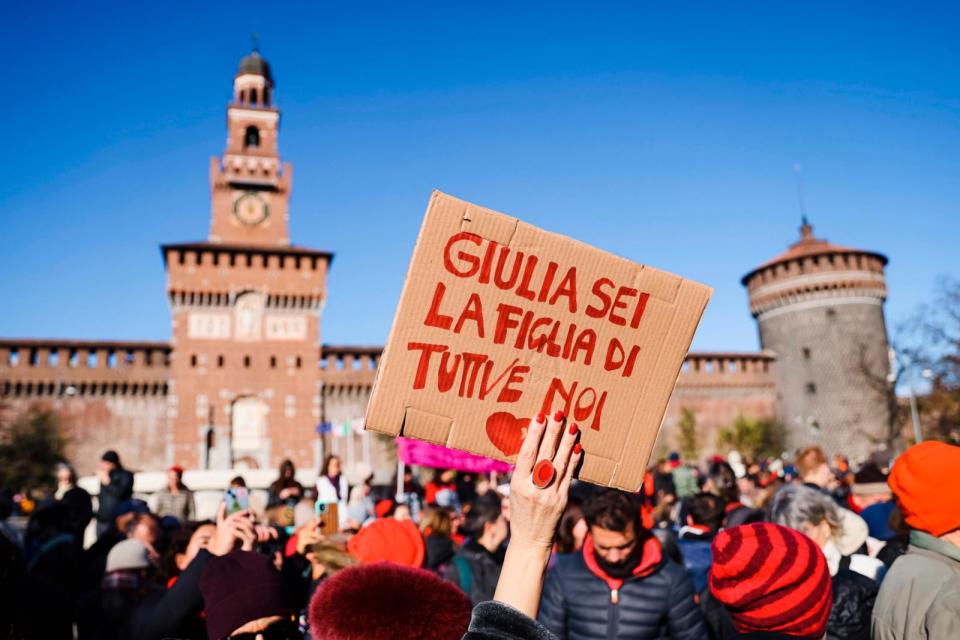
499	320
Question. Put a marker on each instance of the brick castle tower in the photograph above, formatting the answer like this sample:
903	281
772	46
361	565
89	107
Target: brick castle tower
819	308
245	377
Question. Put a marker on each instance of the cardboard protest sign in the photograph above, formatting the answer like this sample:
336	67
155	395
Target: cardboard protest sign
499	320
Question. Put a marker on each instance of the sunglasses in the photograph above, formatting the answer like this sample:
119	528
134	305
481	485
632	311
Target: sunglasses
279	630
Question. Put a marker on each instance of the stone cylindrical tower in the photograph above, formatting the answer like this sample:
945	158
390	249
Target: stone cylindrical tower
819	308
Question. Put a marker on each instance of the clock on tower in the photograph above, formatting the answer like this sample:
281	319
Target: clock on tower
250	209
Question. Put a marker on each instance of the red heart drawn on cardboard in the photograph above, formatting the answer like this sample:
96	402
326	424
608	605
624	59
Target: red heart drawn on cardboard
506	431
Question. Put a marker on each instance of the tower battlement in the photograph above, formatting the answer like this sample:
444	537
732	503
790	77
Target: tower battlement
813	270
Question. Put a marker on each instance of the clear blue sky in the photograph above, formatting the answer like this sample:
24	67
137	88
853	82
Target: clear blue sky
666	135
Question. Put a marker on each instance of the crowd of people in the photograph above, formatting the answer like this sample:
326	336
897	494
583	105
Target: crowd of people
728	549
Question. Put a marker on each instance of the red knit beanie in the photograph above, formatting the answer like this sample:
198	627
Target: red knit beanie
771	578
925	480
388	540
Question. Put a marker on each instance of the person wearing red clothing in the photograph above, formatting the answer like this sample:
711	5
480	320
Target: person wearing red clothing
389	540
772	580
922	589
621	584
443	480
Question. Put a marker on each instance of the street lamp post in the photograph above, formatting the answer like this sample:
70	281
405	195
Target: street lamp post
914	413
906	364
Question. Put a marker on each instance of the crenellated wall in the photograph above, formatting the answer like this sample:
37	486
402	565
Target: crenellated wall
109	395
117	394
54	368
719	387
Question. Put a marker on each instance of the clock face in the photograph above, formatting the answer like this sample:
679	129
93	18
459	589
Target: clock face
250	209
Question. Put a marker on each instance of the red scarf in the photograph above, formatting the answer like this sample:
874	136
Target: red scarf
650	559
732	506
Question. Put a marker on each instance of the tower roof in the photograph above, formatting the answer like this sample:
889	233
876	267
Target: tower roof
256	64
809	246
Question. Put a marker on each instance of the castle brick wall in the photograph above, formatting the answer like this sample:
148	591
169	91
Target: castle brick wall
109	395
718	388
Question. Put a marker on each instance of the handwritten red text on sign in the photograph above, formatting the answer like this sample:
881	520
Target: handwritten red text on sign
555	332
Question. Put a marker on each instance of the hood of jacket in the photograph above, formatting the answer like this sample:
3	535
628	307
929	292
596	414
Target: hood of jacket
651	558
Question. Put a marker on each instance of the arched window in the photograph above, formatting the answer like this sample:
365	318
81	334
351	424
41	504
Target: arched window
252	137
253	96
266	96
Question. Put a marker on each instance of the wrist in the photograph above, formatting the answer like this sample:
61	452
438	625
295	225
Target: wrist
529	553
530	545
521	578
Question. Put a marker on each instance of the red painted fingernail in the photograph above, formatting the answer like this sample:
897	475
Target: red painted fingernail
541	418
558	416
574	429
577	448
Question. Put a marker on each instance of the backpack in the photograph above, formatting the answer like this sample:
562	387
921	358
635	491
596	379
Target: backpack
465	573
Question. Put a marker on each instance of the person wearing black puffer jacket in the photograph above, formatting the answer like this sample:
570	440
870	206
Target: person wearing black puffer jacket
853	598
621	585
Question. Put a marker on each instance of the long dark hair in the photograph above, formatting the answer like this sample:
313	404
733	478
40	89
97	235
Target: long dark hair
282	482
327	461
724	481
178	544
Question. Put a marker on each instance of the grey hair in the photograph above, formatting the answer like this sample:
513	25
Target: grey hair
68	467
795	504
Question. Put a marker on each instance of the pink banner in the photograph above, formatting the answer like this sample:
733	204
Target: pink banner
424	454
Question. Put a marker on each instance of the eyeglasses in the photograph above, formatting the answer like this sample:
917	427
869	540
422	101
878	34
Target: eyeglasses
279	630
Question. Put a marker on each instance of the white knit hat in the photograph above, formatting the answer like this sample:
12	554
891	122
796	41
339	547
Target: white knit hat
128	554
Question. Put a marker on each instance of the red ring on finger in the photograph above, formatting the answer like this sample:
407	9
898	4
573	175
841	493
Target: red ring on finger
543	474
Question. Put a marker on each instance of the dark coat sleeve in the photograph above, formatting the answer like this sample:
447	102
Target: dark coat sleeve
553	610
684	617
497	621
717	618
122	480
164	616
297	574
119	489
853	597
